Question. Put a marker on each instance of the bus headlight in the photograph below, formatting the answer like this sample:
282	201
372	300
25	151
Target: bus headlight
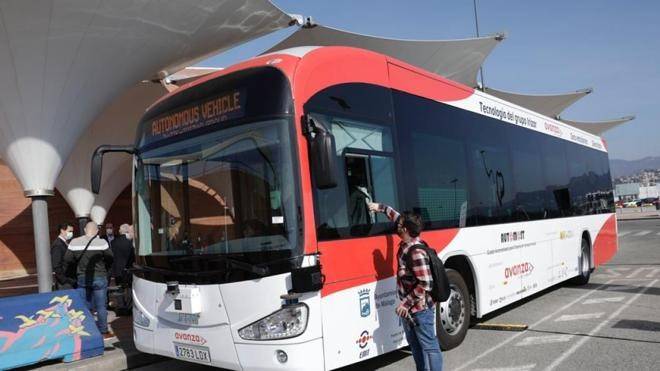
288	322
140	318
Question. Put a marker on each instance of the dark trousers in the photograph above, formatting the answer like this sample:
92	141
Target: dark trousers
95	295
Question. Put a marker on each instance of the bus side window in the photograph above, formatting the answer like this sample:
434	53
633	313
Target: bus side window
527	168
360	118
365	156
370	178
555	174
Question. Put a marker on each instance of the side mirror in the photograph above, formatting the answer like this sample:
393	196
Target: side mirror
97	162
322	153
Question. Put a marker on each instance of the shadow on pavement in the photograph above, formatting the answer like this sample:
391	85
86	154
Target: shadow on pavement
631	289
637	324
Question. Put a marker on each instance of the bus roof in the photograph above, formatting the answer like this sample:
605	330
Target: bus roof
333	65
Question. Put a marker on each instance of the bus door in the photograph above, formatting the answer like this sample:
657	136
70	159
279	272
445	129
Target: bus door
358	247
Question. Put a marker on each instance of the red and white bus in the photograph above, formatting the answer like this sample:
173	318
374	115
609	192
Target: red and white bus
255	248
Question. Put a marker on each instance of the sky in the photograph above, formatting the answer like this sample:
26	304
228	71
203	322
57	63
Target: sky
551	47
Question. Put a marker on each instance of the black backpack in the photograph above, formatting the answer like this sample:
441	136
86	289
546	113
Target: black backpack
440	285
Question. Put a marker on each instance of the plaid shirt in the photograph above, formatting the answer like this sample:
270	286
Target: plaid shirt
413	283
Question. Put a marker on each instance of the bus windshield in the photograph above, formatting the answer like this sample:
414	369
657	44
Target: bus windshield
228	192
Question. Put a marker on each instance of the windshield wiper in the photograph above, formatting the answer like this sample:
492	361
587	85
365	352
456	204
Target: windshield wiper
233	263
260	271
142	268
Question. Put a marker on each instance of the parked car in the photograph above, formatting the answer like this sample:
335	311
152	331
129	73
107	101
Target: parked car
646	201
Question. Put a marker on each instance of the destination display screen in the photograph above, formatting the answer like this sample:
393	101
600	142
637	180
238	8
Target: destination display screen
239	97
226	106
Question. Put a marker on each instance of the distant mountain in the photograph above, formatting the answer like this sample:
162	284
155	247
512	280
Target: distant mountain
626	168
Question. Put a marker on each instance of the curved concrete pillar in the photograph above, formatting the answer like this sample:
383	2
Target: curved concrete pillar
61	62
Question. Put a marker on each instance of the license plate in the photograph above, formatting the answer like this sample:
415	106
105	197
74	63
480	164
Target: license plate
192	353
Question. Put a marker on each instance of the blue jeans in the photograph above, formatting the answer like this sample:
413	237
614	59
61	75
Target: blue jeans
423	342
95	295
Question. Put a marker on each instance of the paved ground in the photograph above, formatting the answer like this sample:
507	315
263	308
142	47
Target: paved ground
637	212
613	323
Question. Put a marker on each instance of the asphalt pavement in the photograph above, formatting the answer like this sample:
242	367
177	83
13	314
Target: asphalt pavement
613	323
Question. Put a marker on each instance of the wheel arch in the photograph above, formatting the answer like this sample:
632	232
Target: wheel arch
587	235
461	262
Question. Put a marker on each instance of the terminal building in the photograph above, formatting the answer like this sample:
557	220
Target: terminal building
635	191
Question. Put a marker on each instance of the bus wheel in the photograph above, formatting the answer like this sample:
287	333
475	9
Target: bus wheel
453	315
585	267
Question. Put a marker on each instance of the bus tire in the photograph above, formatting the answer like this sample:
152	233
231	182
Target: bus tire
584	265
453	315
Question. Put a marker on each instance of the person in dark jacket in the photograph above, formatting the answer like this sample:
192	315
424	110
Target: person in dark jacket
122	251
64	278
91	256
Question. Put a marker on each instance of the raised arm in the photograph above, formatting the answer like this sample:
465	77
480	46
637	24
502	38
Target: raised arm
389	211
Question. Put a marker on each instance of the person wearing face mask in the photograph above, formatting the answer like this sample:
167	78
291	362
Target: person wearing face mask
64	278
109	233
414	284
122	250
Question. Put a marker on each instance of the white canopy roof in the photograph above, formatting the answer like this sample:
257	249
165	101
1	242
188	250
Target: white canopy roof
598	127
62	62
547	104
458	60
117	124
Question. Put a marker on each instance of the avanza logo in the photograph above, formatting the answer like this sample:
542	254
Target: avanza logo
512	236
553	128
191	338
522	269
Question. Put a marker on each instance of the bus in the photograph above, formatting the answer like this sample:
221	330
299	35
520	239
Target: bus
255	248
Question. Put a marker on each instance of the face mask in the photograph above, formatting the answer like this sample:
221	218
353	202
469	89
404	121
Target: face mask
129	236
69	235
108	232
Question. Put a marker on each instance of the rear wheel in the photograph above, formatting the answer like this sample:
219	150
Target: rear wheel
453	315
584	265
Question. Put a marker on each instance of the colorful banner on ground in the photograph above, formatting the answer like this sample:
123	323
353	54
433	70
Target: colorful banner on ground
39	327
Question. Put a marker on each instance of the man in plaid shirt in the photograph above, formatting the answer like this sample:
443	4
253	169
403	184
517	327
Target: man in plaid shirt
414	286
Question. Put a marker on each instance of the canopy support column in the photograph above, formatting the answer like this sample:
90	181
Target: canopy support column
42	240
82	222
